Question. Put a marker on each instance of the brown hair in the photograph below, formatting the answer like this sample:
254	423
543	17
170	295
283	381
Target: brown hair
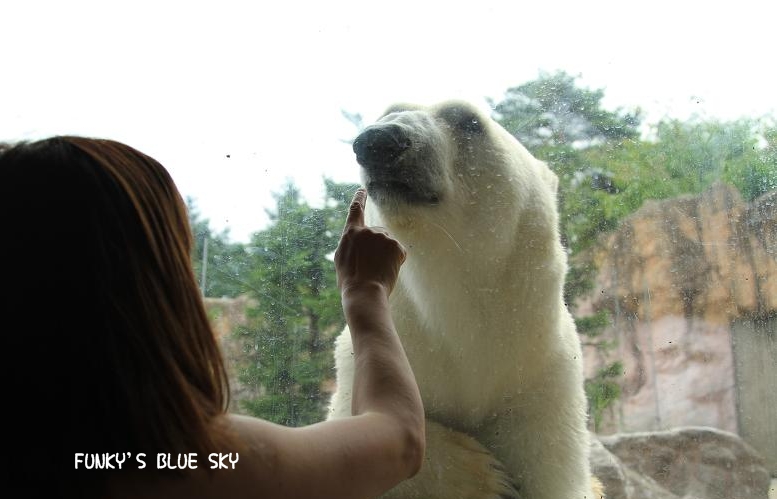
121	354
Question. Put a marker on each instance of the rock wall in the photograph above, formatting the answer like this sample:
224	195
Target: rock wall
677	277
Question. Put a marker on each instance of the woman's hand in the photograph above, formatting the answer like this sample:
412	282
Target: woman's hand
366	255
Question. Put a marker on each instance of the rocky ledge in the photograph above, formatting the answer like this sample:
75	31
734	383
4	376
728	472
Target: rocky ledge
683	463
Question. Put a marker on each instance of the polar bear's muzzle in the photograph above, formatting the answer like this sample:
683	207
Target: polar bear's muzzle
380	145
395	167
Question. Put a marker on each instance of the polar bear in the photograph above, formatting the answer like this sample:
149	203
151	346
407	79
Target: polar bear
478	306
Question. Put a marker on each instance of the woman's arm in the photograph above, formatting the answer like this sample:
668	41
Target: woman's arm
383	443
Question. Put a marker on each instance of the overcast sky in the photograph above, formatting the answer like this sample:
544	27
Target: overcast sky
236	97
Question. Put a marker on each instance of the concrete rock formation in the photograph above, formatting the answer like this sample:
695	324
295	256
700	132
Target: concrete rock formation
710	256
691	286
689	462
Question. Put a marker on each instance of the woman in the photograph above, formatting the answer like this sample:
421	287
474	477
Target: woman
118	355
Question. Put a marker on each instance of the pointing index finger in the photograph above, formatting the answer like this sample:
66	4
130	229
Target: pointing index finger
356	211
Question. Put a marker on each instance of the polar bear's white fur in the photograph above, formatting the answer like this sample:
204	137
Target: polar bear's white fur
478	305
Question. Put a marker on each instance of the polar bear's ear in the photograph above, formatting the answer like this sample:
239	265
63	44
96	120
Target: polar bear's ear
548	176
462	117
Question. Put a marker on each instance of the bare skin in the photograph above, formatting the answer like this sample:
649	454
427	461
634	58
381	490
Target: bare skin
358	457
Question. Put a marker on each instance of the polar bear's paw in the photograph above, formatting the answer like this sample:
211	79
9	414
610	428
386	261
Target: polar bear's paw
456	466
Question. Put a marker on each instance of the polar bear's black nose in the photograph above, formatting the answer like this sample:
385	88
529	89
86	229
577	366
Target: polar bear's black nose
380	144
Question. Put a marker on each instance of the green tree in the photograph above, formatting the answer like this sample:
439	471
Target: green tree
291	328
225	263
553	111
602	390
755	173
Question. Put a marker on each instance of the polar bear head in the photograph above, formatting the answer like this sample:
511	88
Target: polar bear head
452	171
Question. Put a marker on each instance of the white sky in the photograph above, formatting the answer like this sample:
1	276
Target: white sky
264	82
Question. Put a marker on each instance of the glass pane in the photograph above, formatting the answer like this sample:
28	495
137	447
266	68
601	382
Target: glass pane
659	122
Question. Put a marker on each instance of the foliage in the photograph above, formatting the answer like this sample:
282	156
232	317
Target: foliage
756	173
592	324
552	111
603	390
298	307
